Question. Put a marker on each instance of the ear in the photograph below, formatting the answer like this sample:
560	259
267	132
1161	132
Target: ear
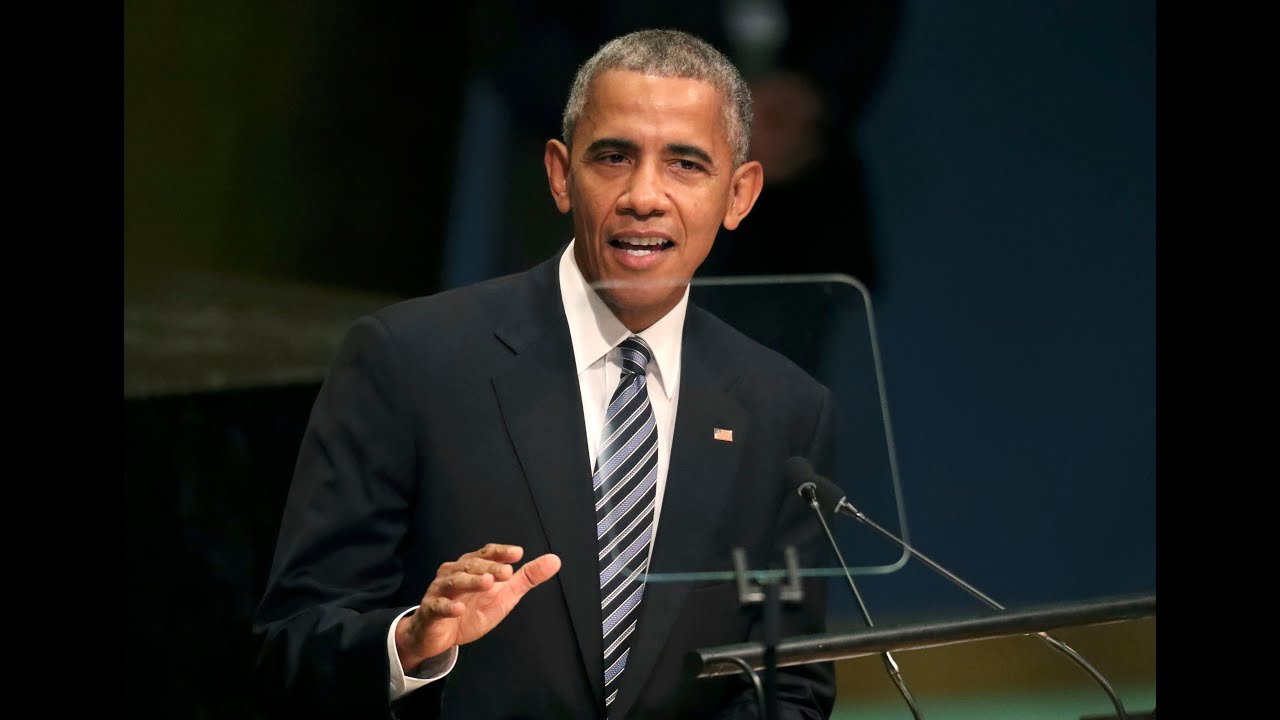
744	188
556	159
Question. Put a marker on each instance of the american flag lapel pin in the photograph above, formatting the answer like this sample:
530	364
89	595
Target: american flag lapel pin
722	434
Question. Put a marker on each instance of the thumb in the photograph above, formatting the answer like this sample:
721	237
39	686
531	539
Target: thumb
535	572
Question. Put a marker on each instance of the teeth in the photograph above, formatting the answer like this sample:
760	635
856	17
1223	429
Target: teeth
639	253
647	242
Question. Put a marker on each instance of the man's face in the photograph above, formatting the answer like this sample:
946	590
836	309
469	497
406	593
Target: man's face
649	181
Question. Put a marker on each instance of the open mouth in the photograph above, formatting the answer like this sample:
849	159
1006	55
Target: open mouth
639	247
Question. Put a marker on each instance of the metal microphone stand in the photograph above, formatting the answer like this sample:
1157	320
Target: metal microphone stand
768	590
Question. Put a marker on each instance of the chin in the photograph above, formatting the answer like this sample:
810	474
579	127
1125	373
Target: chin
648	301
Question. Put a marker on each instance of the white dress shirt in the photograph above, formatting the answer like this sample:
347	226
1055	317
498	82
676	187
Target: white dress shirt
595	333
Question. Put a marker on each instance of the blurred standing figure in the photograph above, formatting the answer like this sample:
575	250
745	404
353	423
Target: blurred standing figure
813	69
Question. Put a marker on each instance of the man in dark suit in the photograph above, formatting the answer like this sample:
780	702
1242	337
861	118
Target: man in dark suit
457	434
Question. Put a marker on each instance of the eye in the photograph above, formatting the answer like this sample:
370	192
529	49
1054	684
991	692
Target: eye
689	165
614	158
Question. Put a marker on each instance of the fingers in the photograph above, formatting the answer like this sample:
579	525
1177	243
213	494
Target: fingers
493	558
480	570
440	607
458	583
499	552
535	572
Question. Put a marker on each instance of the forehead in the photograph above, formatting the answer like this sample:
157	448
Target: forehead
649	108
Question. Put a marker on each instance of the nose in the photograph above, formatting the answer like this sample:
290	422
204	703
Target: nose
646	191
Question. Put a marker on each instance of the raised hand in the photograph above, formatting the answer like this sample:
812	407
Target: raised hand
468	598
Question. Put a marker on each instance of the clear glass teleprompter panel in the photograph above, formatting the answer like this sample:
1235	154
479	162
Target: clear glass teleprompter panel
824	323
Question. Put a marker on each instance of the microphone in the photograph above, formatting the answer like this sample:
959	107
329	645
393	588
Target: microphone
799	471
831	498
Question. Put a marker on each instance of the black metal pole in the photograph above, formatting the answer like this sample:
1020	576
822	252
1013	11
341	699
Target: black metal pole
772	609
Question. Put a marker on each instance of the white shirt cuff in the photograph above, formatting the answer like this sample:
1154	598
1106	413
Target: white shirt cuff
428	672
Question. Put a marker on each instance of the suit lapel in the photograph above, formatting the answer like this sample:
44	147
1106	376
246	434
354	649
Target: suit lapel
541	405
699	481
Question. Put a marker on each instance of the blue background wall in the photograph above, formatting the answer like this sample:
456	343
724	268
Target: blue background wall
1011	156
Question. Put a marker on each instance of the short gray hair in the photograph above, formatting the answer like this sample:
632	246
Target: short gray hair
669	53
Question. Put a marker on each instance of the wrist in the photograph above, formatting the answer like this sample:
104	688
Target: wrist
408	647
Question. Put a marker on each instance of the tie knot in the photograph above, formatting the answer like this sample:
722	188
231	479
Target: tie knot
635	355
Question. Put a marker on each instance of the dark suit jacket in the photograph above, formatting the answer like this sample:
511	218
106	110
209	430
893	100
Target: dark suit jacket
455	420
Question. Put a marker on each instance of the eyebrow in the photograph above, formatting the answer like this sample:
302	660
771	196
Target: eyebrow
629	146
611	144
691	151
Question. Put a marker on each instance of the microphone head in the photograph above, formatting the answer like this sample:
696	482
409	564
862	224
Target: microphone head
799	472
829	494
808	491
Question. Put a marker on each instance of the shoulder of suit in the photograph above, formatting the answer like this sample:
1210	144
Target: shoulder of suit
450	308
748	355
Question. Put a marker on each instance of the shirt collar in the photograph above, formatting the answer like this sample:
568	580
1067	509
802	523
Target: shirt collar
595	331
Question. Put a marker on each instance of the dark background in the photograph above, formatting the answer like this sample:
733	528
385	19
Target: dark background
987	169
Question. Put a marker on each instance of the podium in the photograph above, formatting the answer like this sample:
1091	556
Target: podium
728	659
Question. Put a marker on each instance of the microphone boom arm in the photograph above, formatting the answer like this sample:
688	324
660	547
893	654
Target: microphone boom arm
847	508
808	492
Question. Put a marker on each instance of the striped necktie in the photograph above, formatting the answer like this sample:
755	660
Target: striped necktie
625	484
